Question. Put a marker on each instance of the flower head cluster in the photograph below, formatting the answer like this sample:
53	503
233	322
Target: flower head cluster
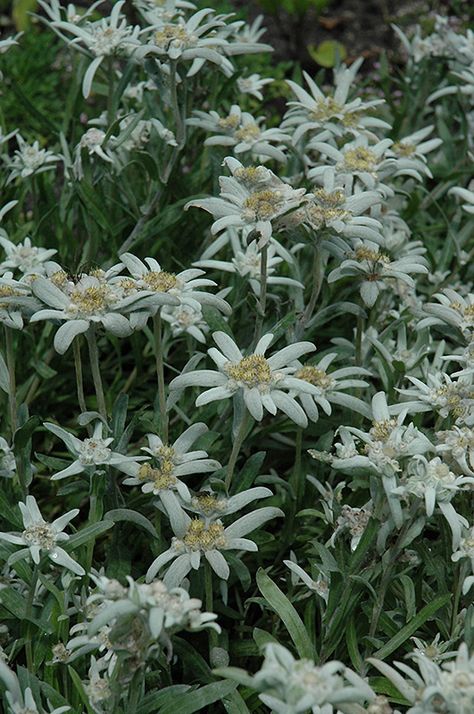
42	538
30	159
199	537
252	199
266	383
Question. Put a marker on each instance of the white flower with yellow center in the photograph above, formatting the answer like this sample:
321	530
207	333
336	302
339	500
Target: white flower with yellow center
252	199
185	319
291	686
41	537
23	256
375	269
458	443
241	131
265	383
212	506
331	386
95	298
29	159
443	394
253	84
454	309
384	448
106	37
415	148
332	114
246	262
89	453
15	301
161	475
198	538
183	289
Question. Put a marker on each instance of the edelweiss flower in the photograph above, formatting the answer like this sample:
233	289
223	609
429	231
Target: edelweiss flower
333	114
330	387
251	198
186	319
386	444
162	610
355	520
91	142
41	537
334	208
319	586
458	443
265	383
447	687
179	289
241	131
7	459
375	268
253	84
103	38
465	549
200	538
415	148
247	263
29	159
93	299
25	257
15	301
455	309
212	506
443	394
90	453
161	476
367	162
437	485
291	686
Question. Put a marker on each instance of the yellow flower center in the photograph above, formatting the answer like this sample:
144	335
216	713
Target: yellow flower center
250	175
94	299
162	478
208	503
230	122
252	371
315	376
325	109
202	537
263	204
7	291
404	148
247	133
40	534
170	33
371	255
59	278
381	430
360	159
160	281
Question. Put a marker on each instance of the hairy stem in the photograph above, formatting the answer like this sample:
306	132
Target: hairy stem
213	641
79	380
236	448
160	374
11	379
262	300
95	369
317	275
28	615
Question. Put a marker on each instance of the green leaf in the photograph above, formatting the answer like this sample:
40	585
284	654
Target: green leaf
4	375
411	627
152	702
88	533
80	689
196	700
287	613
328	53
125	514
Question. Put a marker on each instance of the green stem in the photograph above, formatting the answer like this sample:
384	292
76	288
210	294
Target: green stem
213	639
160	374
28	615
297	476
11	379
358	340
262	301
95	369
317	274
110	95
79	380
236	448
